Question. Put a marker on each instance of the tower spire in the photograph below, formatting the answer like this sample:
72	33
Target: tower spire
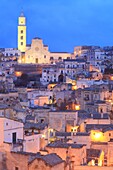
22	14
22	32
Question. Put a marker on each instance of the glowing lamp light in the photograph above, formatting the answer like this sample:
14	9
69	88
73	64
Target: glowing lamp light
77	107
98	135
93	162
43	136
18	73
100	163
74	87
111	77
74	129
19	60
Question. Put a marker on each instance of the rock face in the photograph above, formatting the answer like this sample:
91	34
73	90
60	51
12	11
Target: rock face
3	159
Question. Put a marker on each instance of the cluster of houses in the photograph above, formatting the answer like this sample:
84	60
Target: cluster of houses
66	121
56	108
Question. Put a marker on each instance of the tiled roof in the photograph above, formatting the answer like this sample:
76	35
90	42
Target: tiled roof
103	127
63	134
100	102
60	144
3	106
30	117
38	126
50	159
82	134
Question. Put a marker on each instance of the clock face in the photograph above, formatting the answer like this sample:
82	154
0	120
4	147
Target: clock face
36	48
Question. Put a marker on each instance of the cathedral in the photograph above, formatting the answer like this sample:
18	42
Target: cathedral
36	52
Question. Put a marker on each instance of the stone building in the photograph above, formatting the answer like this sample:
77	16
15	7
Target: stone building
37	53
63	120
75	152
25	161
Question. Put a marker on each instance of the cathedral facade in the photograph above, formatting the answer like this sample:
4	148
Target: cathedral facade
36	52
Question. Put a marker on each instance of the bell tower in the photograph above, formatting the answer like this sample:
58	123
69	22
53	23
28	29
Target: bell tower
22	33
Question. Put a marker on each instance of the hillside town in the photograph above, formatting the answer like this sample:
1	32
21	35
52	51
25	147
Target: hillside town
56	108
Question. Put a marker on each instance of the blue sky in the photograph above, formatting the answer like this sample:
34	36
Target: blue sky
62	24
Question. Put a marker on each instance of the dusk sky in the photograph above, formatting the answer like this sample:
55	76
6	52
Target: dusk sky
62	24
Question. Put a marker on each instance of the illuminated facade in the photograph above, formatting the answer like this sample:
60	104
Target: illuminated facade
37	53
22	33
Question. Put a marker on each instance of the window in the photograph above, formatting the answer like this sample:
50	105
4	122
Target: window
101	110
16	168
51	58
21	43
42	120
16	54
44	56
109	134
36	60
21	37
21	31
14	137
60	58
6	124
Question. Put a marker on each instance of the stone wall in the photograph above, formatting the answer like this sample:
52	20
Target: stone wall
92	168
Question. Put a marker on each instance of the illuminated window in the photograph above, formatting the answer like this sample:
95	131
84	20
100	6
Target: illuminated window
21	43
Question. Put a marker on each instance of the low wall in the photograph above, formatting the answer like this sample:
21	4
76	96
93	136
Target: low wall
93	168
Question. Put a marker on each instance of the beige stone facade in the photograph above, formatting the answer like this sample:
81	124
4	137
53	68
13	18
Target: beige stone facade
37	53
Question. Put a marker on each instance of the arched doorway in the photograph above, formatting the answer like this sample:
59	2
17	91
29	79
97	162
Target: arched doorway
61	78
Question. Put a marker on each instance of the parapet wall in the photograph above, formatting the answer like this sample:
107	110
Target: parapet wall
93	168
